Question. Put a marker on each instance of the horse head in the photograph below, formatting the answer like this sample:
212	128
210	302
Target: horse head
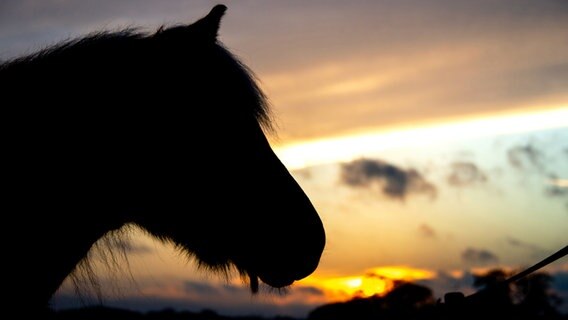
165	131
235	203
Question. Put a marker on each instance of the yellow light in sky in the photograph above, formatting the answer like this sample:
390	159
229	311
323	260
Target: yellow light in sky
354	283
401	273
344	288
346	148
376	281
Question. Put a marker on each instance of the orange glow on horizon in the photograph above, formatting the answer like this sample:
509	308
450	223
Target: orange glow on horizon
401	273
375	281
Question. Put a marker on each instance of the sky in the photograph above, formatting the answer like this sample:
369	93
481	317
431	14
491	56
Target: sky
431	136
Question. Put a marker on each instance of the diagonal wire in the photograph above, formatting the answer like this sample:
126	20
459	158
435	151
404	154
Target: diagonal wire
555	256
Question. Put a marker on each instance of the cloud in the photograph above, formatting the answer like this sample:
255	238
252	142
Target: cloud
556	187
395	182
201	288
558	192
465	174
518	243
478	256
204	289
309	290
535	251
528	157
525	157
427	231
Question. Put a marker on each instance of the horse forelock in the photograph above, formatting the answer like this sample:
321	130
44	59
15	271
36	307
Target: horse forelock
260	109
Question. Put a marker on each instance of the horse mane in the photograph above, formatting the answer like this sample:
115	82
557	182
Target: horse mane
126	39
261	109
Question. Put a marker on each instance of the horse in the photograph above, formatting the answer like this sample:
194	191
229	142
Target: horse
164	130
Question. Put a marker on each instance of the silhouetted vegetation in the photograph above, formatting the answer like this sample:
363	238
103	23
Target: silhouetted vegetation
106	313
405	301
529	298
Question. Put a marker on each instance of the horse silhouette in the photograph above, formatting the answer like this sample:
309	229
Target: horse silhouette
165	131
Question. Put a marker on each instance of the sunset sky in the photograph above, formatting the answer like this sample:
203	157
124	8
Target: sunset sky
430	135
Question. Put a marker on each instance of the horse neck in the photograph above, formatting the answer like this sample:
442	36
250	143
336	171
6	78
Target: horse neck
62	244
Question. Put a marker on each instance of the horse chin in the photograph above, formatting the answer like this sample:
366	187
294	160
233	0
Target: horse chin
276	283
254	281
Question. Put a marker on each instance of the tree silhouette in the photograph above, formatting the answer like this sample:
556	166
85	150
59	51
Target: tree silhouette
496	295
529	298
537	297
406	301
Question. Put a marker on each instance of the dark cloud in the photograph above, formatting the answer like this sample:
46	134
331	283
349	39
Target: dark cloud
427	231
530	158
518	243
200	288
465	174
535	251
395	182
525	157
309	290
206	289
554	189
478	256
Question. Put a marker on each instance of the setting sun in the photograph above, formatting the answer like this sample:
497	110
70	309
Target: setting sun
375	281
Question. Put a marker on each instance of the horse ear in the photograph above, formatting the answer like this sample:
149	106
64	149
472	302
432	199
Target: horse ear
209	25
